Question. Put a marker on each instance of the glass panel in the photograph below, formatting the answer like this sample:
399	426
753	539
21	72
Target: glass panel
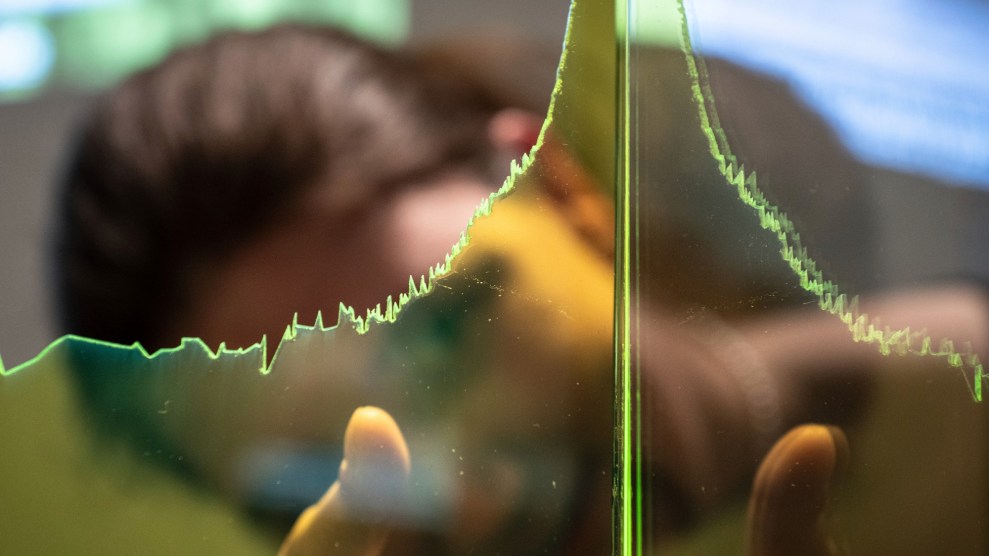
496	364
805	196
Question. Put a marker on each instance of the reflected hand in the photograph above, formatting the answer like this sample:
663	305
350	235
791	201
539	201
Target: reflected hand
352	517
791	491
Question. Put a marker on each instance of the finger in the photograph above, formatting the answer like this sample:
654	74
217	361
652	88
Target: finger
352	518
791	491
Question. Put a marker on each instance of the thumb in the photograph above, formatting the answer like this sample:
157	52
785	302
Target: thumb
791	491
352	517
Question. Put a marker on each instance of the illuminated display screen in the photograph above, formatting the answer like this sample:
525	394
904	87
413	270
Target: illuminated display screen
897	80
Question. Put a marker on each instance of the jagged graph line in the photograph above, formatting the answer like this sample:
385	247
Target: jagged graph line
830	298
347	315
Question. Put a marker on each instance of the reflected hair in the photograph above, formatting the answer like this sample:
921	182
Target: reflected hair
186	161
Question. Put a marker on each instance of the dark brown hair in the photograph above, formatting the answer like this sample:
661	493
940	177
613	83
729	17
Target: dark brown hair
187	160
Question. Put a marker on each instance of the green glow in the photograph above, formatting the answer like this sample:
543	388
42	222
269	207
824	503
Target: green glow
200	400
246	14
656	22
383	20
97	46
863	327
623	341
347	316
650	23
193	355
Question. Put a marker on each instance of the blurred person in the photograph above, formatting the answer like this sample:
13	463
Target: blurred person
297	167
265	175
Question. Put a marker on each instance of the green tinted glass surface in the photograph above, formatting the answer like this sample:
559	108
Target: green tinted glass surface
497	365
804	212
773	270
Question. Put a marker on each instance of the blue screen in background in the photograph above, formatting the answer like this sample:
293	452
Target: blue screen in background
904	83
10	8
32	54
90	44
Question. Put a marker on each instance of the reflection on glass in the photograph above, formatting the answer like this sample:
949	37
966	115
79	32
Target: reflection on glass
496	366
803	201
801	228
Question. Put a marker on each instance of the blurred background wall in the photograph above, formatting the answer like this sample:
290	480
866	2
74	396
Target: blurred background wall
55	55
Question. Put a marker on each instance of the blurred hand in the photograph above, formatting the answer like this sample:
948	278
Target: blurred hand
352	517
791	491
787	509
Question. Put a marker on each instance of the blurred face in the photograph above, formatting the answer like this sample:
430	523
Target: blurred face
530	363
310	261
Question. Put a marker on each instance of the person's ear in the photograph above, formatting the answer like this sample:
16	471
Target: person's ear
514	131
580	198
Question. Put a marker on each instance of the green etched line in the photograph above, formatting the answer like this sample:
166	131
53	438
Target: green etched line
830	299
427	283
634	487
630	512
348	315
624	342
